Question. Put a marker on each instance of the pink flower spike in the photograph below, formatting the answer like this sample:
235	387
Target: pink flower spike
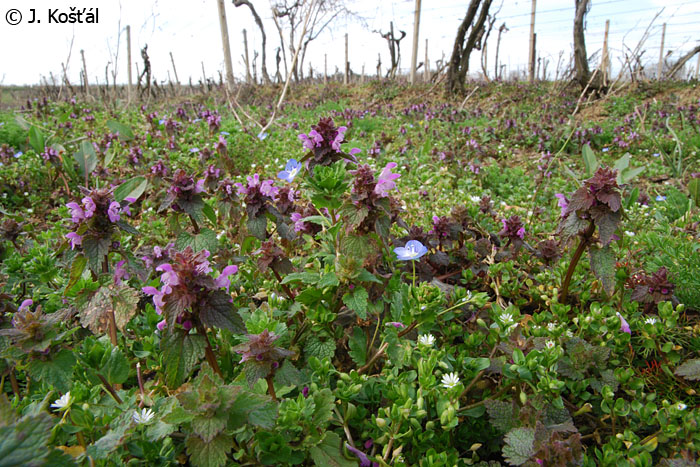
75	239
25	304
90	207
386	180
161	325
77	214
199	187
113	212
150	290
223	281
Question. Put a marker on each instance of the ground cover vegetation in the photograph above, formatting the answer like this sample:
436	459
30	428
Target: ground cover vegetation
383	277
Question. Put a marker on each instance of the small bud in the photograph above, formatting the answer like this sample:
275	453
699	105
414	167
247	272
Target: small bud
381	423
523	398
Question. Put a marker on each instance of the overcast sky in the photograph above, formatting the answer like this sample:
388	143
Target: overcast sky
190	30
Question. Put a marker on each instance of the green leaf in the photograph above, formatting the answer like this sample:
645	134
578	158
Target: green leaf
328	453
219	312
36	139
305	277
76	271
257	227
366	276
125	133
257	409
358	346
694	190
324	401
590	162
211	454
95	314
288	375
603	266
689	370
328	280
501	414
520	445
319	348
207	427
96	249
126	302
116	368
357	301
132	188
181	352
86	158
108	443
24	442
209	213
57	371
204	240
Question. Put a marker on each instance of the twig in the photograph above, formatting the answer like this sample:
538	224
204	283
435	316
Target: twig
374	358
110	389
461	106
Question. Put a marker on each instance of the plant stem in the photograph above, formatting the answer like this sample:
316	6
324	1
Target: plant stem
271	387
286	288
110	389
194	224
413	263
585	240
209	352
374	358
14	383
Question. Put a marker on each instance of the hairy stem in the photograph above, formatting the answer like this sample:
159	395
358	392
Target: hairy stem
271	386
585	240
110	389
209	352
194	224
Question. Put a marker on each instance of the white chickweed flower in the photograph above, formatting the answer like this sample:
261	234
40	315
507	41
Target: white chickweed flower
569	333
426	339
551	326
681	406
650	321
549	344
506	318
144	417
450	380
63	402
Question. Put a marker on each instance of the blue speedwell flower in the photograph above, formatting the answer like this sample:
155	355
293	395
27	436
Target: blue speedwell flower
412	251
290	171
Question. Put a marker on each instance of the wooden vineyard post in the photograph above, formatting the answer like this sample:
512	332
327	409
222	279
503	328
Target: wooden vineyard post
226	45
130	88
85	76
426	70
325	68
531	56
414	52
604	62
660	68
346	80
246	58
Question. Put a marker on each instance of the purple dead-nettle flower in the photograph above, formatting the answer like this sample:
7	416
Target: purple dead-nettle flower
183	194
90	207
396	324
513	229
312	140
135	155
411	252
285	199
74	239
221	146
339	138
364	460
76	212
159	169
290	171
258	195
624	326
324	144
188	292
260	349
120	273
25	305
563	202
386	181
113	212
50	155
652	289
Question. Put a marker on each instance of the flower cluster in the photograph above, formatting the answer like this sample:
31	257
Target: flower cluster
257	194
323	143
513	230
187	289
183	194
96	216
652	289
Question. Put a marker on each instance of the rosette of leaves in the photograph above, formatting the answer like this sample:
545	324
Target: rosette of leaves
260	356
184	196
192	299
370	207
324	143
97	224
597	204
653	289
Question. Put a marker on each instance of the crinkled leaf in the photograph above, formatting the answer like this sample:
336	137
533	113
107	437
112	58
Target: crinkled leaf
255	371
520	445
204	240
607	222
57	371
324	401
358	346
108	443
257	226
257	409
319	348
125	301
208	454
328	453
96	249
219	312
357	301
25	441
181	352
76	271
689	370
603	266
207	427
288	375
571	226
501	414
